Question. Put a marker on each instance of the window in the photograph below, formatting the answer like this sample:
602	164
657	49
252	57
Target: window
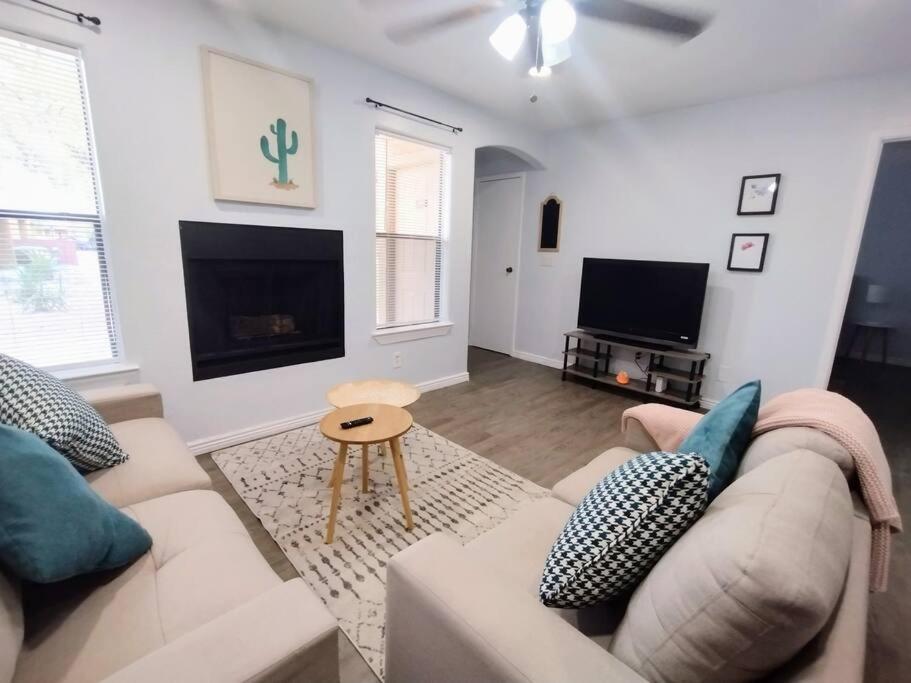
55	297
412	216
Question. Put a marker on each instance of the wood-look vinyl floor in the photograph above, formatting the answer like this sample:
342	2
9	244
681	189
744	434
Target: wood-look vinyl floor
522	416
882	391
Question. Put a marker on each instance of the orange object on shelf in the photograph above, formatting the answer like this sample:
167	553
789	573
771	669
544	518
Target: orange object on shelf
623	377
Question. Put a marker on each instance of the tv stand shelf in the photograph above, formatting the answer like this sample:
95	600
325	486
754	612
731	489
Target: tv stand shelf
591	356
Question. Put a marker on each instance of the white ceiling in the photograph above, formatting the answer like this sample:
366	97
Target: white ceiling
751	46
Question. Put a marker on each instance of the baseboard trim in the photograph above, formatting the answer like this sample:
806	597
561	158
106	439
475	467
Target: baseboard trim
228	439
443	382
214	443
540	360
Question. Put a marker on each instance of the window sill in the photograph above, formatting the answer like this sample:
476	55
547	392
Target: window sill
90	372
394	335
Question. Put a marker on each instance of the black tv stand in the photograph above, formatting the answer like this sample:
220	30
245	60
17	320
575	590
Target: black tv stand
621	341
592	354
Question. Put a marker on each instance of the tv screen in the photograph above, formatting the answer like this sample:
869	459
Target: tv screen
657	301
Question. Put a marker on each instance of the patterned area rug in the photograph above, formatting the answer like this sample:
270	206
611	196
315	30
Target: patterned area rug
284	479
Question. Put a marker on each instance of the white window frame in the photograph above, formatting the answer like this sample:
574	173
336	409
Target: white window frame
441	326
115	365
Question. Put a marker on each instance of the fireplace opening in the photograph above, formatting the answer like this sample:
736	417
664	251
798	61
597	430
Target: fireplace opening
261	297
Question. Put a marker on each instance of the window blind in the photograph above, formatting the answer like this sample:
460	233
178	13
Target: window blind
412	214
55	297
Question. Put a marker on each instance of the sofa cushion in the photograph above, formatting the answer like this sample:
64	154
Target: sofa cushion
722	435
11	626
41	404
517	548
575	487
622	527
202	564
53	526
750	583
515	552
786	439
159	464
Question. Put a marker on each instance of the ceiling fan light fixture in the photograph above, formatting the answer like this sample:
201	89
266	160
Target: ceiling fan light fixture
558	21
556	53
543	72
509	36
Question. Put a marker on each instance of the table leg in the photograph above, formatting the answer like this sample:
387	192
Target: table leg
381	447
336	489
399	463
365	467
854	330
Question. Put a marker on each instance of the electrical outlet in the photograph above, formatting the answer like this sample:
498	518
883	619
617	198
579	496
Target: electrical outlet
397	359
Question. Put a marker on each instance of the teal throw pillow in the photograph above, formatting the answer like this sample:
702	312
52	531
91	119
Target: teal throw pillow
723	434
53	526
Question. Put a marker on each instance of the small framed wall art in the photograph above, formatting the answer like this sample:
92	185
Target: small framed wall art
549	234
260	123
748	251
759	194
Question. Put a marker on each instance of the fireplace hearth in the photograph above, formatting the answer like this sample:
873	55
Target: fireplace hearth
261	297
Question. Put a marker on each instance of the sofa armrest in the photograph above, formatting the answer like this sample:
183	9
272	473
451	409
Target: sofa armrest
127	402
285	634
637	438
450	620
655	426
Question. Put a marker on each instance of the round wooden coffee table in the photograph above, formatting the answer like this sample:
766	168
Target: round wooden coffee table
387	391
389	423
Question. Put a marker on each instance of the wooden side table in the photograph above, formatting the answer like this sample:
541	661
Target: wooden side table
389	423
386	391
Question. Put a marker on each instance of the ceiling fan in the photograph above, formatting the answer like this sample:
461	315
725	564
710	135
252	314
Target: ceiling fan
545	26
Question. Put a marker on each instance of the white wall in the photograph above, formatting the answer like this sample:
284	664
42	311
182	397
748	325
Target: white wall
884	256
658	187
665	187
145	86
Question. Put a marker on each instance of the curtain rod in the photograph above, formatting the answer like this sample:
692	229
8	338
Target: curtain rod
455	129
80	17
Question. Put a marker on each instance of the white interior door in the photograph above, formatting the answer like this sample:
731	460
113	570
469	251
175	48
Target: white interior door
494	272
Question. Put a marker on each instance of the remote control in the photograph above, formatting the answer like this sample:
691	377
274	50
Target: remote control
361	421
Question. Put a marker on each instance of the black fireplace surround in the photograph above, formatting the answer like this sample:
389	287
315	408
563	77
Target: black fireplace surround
261	297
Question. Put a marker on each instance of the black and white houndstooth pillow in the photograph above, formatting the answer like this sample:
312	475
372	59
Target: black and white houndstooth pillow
36	402
623	526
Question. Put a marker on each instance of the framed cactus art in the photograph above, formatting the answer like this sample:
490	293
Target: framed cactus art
260	125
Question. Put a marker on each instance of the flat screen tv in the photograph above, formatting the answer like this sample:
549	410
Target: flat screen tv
653	301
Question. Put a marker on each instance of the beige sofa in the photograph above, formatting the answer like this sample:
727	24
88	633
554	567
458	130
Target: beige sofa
201	605
748	592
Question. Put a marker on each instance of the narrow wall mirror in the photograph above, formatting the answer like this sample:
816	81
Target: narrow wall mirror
549	236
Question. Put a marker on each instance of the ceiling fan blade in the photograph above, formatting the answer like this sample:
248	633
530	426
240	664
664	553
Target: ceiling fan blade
532	41
411	31
643	16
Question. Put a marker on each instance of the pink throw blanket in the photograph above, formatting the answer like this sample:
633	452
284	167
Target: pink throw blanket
830	413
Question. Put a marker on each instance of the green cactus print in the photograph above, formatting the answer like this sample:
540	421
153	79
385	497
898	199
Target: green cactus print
282	150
